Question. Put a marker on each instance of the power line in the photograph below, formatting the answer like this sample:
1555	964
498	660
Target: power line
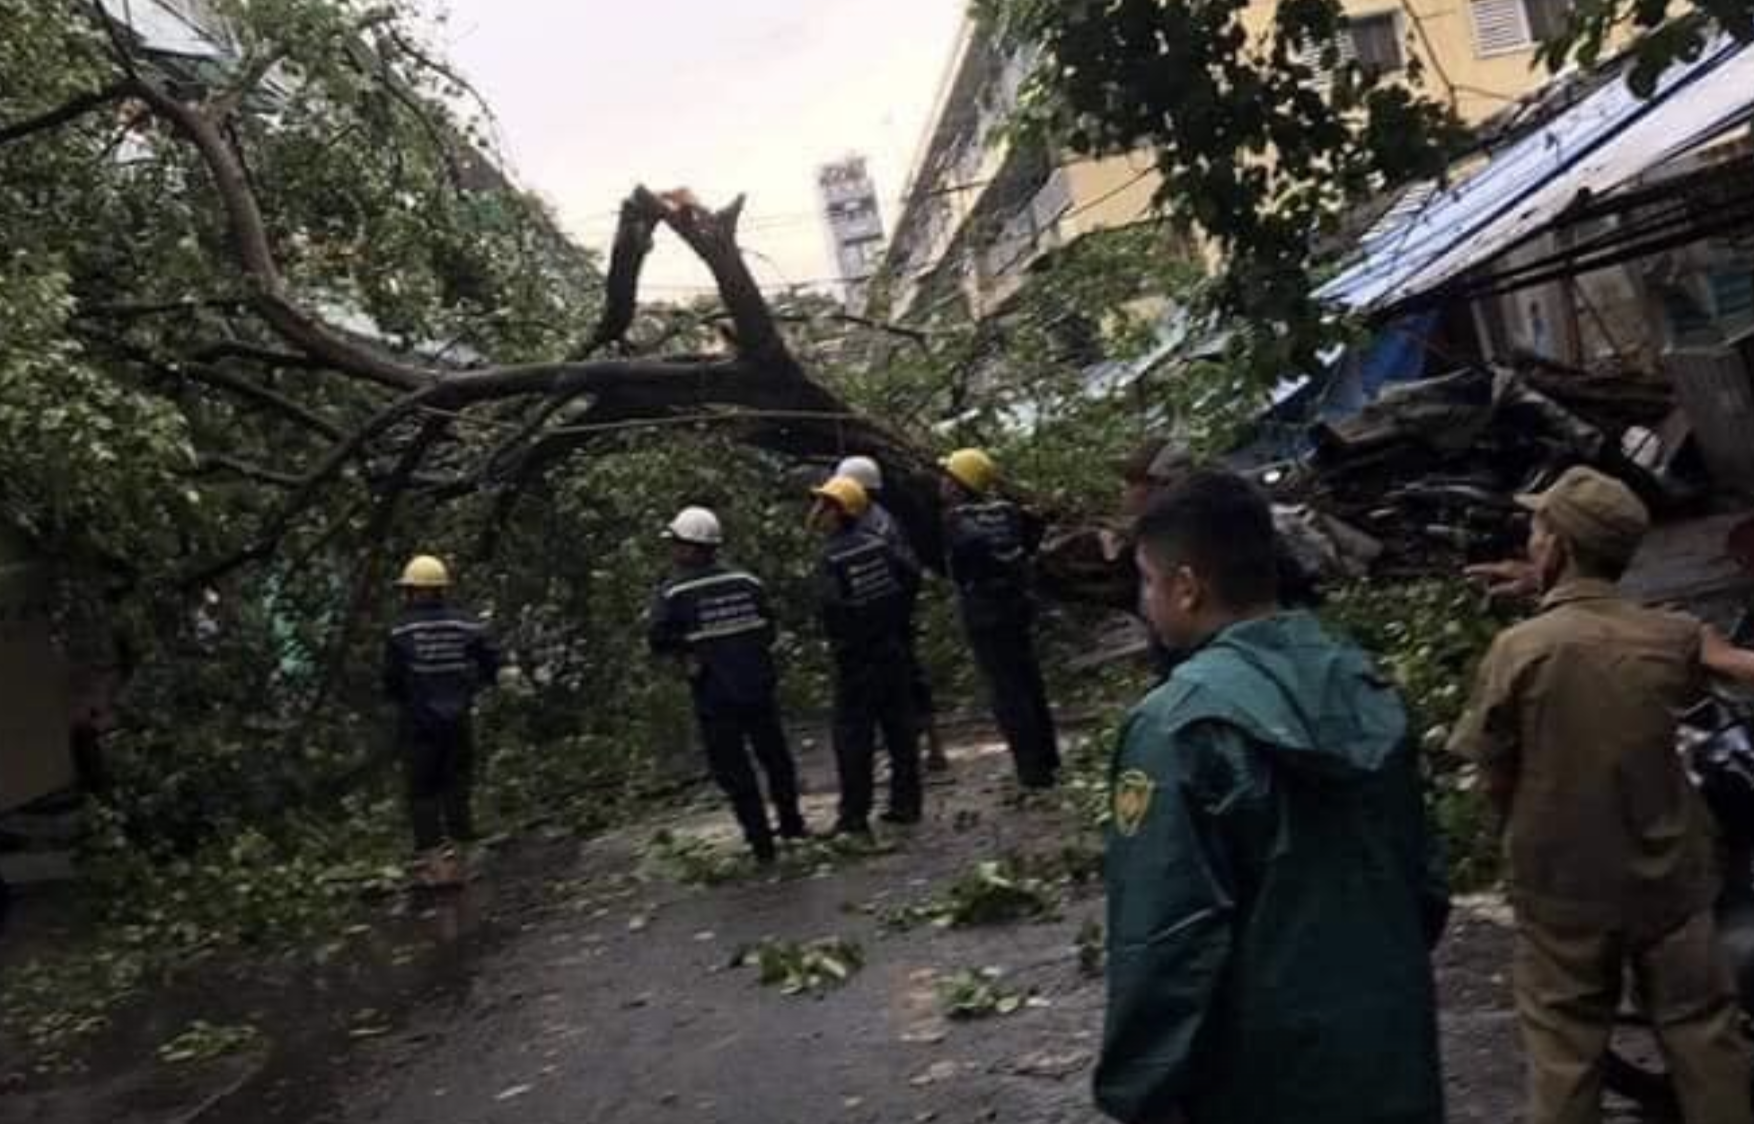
784	218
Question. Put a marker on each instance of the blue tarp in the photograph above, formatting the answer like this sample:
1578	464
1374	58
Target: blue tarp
1397	353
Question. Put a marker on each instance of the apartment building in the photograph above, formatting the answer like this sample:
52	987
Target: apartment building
854	223
1478	55
978	210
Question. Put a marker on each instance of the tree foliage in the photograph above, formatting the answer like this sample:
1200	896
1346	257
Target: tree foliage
1655	33
275	321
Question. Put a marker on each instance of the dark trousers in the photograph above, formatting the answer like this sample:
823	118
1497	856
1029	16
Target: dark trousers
919	683
1005	655
440	762
871	693
730	734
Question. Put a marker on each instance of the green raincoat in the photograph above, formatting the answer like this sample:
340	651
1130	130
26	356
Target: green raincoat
1273	892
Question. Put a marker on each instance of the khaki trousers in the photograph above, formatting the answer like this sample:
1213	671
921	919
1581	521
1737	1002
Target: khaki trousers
1568	987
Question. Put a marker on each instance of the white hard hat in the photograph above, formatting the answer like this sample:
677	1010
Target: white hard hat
695	525
864	470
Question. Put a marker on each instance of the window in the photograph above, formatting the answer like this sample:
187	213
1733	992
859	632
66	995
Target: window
1371	41
1505	26
1376	42
1500	26
1547	18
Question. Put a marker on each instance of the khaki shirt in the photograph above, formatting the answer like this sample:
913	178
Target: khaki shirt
1581	703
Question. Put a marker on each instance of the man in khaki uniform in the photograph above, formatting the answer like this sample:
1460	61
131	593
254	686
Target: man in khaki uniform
1609	851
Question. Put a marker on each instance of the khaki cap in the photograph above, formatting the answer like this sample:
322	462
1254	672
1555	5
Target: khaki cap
1594	511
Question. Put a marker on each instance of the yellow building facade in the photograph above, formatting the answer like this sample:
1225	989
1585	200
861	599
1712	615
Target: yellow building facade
979	211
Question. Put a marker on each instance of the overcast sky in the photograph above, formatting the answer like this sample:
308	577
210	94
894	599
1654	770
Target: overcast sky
722	96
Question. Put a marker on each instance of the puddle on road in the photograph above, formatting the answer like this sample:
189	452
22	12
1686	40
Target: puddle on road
423	952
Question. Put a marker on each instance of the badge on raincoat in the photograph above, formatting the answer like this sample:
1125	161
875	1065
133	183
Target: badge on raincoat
1132	801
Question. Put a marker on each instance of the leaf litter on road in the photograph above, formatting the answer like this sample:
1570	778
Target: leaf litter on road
813	967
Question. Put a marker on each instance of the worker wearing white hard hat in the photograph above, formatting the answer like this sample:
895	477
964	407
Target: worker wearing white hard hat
715	621
695	526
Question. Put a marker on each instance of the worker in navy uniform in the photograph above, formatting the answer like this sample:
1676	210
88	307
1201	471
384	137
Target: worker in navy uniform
715	619
438	659
879	521
990	542
865	594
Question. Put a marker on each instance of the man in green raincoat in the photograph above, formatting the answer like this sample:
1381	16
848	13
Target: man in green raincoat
1272	892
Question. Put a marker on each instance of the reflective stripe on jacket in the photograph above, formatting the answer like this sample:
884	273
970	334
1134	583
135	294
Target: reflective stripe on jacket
719	616
436	661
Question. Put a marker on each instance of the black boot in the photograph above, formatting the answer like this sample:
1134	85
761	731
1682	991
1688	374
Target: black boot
858	829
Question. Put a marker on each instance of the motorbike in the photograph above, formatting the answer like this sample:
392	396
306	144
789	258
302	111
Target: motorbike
1716	740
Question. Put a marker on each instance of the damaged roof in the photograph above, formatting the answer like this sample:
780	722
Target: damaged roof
1607	140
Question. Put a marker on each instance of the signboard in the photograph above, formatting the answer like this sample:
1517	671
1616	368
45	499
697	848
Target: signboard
34	757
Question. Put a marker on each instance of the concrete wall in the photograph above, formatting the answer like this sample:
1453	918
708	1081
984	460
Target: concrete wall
1477	80
1108	193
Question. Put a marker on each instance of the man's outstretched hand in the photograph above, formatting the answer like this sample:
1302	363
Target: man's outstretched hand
1723	658
1509	579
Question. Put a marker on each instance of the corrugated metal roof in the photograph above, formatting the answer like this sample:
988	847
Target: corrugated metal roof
1607	139
167	31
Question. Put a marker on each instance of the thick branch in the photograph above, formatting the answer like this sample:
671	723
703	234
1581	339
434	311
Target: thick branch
126	311
221	379
712	235
249	389
633	242
62	114
309	491
765	376
256	353
377	534
256	254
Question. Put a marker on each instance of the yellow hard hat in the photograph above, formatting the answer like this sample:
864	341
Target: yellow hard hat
424	572
971	468
845	493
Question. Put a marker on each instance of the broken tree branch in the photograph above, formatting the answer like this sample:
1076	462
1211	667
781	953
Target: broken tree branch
270	298
63	114
712	235
633	242
377	535
221	379
763	376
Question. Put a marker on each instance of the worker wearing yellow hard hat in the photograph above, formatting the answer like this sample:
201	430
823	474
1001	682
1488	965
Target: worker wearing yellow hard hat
438	658
424	572
990	544
880	521
972	470
866	592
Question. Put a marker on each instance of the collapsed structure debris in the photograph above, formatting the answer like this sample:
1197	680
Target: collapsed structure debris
1430	470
